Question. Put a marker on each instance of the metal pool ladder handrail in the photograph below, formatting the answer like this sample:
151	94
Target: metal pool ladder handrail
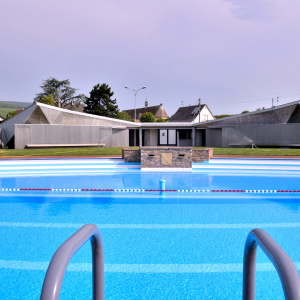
285	267
60	260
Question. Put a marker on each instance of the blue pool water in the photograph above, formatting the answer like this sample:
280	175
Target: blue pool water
172	245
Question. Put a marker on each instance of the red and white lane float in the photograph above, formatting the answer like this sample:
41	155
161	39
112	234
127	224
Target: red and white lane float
147	190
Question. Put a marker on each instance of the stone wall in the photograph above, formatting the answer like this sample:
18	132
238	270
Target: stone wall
201	155
166	157
131	155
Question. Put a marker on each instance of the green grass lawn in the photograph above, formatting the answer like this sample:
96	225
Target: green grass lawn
95	151
257	152
82	151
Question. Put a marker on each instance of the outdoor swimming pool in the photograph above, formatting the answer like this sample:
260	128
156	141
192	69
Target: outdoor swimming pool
158	245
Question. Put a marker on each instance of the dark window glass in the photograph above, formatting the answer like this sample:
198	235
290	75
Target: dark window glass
185	134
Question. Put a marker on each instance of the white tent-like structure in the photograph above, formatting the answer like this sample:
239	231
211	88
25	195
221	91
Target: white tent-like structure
42	124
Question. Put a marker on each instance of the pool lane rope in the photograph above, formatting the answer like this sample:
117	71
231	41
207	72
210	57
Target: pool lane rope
150	190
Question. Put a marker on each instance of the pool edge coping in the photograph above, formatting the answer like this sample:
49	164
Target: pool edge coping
120	156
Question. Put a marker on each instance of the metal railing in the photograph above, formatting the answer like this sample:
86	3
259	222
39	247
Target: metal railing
285	267
60	260
55	274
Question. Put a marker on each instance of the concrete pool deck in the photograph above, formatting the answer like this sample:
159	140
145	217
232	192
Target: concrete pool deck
120	156
99	164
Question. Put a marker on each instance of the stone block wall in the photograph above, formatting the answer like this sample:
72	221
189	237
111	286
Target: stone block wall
166	157
201	155
131	155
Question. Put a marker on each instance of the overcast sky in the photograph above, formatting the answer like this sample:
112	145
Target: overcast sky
235	55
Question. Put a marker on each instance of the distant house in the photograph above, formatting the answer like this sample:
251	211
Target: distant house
158	112
192	114
75	106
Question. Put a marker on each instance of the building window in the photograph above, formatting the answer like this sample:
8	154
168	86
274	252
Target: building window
185	134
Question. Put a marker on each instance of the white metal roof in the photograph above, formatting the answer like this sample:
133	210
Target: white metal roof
250	113
122	122
166	124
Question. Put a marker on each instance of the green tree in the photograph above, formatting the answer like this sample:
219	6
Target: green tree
161	120
100	102
11	114
147	117
123	115
61	91
48	100
245	112
222	116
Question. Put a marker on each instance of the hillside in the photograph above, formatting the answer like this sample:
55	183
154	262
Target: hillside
7	106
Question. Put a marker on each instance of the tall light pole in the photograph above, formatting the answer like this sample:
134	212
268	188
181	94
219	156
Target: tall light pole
135	91
199	102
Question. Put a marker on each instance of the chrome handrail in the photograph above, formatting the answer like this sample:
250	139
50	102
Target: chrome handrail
285	267
60	260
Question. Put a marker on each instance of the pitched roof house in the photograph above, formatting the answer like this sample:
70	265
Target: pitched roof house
158	111
75	106
193	114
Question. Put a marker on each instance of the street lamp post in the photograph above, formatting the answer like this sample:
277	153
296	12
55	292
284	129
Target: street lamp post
135	91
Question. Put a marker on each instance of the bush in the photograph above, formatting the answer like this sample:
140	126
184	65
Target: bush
161	120
122	115
147	118
11	114
48	100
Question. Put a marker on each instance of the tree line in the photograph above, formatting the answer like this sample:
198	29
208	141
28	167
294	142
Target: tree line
60	93
100	101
